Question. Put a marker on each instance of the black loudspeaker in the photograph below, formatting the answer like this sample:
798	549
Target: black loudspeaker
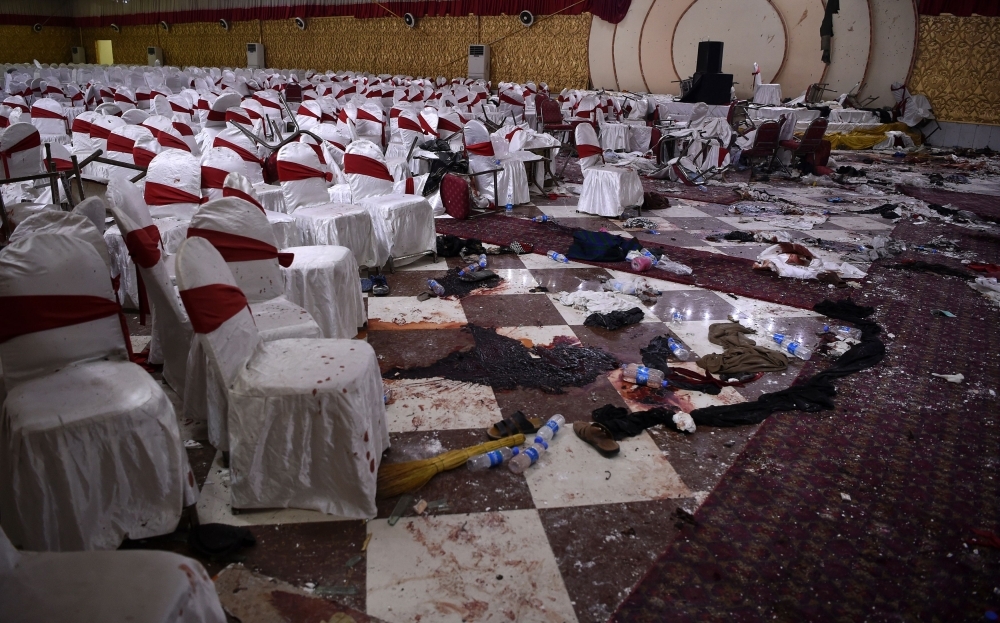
713	89
709	57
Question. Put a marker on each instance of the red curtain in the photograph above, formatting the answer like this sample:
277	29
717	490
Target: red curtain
961	8
609	10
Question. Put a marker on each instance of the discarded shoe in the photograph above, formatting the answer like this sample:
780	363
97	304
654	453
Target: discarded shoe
380	287
517	423
598	436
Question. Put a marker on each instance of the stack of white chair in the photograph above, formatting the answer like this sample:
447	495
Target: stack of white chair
78	415
306	419
607	189
488	152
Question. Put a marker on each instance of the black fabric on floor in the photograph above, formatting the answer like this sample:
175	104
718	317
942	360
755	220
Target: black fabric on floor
218	540
740	236
623	424
599	246
657	355
815	393
453	246
931	267
887	210
615	320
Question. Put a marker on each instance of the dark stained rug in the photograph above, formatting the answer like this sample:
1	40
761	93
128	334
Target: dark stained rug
869	512
711	270
985	206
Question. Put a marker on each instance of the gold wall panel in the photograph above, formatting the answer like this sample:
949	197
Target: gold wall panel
19	44
958	68
128	46
205	44
555	50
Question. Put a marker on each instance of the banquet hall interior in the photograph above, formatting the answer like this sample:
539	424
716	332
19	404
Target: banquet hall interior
490	311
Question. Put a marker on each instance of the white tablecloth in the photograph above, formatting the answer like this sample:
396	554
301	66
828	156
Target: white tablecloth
681	111
852	115
767	95
324	281
795	116
615	136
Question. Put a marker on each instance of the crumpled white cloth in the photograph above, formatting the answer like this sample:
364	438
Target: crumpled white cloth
989	287
608	190
599	302
777	261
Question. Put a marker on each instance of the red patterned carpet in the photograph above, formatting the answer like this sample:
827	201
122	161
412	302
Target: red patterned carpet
985	206
867	512
711	270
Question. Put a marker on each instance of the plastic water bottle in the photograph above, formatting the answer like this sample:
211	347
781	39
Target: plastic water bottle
468	270
625	287
509	210
527	457
544	218
548	430
484	461
793	348
482	260
676	317
673	267
641	375
678	349
558	257
435	287
843	332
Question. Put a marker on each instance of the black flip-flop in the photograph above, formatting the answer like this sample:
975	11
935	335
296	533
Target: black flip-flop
517	423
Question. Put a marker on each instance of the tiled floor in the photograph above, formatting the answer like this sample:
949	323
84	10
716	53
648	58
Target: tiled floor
566	540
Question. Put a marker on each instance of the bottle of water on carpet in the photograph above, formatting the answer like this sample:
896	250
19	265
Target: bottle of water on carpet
548	430
843	332
641	375
678	349
482	260
468	270
484	461
558	257
792	347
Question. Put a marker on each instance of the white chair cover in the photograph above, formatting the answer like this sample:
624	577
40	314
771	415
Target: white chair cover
607	189
157	587
173	184
78	409
280	420
231	138
49	117
20	151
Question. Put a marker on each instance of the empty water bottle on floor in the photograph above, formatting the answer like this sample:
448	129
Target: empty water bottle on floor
544	218
482	260
625	287
678	349
673	267
527	457
676	317
641	375
549	429
509	210
559	257
843	332
468	270
792	347
435	287
490	459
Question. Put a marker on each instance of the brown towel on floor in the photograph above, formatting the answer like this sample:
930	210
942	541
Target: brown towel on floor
741	353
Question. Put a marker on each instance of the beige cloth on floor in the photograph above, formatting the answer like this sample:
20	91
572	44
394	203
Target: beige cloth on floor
741	353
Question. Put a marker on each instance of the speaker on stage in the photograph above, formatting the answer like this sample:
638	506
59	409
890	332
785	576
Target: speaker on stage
709	57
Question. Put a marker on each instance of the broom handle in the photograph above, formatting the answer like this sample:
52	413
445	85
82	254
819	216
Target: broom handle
506	442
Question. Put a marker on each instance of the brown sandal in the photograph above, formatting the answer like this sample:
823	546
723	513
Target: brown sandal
517	423
598	436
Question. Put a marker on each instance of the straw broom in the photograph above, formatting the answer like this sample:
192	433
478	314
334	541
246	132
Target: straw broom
396	478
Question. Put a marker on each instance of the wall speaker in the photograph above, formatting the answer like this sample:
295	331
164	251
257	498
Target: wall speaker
224	24
300	23
116	28
37	28
409	20
165	26
527	18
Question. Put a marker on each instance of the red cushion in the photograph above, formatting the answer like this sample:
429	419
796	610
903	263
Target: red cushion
790	144
455	196
559	126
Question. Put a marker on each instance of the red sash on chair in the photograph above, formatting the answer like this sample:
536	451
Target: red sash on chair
166	139
585	151
450	126
142	248
507	99
210	306
178	108
24	315
294	172
157	194
142	157
212	178
37	112
406	123
235	248
426	127
246	154
121	97
238	118
306	112
28	142
229	191
481	149
363	165
121	144
99	131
